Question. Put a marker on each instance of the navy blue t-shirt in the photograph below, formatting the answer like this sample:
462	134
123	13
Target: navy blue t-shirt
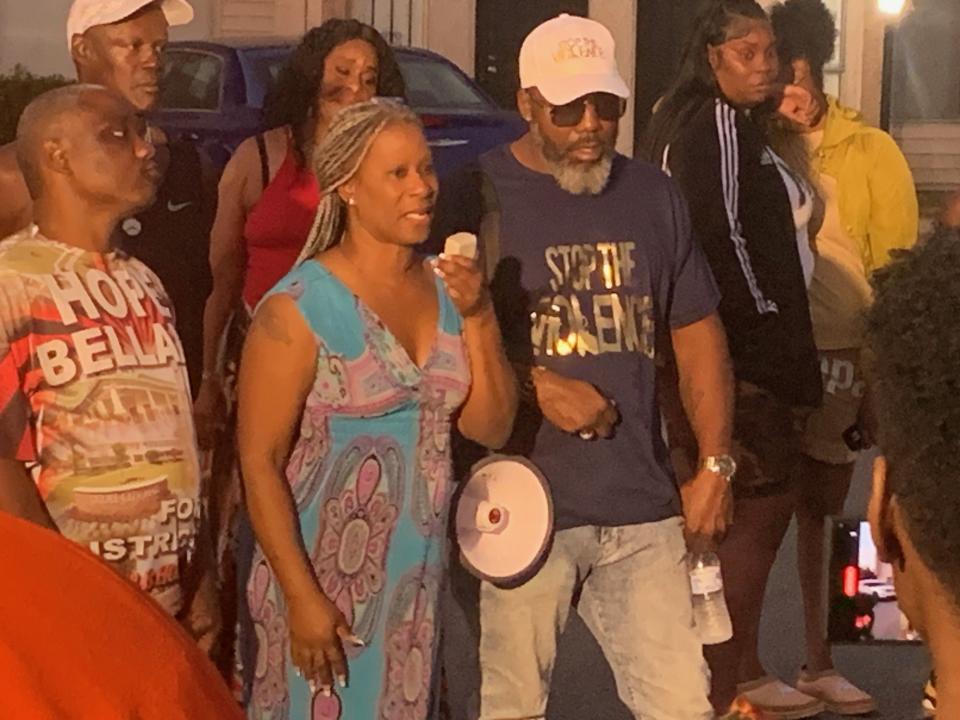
587	286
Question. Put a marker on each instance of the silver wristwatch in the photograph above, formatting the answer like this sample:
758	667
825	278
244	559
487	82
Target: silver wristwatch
723	465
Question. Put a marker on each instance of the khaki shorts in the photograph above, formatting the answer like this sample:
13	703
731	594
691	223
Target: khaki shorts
843	390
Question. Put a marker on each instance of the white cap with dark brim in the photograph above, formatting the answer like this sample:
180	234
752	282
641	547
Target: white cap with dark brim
85	14
568	57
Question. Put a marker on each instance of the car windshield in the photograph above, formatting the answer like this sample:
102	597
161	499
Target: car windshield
432	85
191	80
435	85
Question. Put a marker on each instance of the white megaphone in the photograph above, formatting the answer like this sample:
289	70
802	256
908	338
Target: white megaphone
504	520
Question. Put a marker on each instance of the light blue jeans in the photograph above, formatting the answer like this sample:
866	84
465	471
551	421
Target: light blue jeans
635	598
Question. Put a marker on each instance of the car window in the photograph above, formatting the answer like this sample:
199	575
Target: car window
262	67
191	80
435	85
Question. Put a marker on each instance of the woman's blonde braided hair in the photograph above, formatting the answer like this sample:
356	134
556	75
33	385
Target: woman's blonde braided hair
336	160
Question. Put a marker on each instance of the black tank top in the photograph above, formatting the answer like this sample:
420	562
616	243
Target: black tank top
172	238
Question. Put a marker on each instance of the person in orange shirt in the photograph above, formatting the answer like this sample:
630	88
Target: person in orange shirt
79	641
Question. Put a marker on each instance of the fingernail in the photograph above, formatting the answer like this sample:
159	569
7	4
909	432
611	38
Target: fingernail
442	256
355	640
313	687
327	691
342	680
439	272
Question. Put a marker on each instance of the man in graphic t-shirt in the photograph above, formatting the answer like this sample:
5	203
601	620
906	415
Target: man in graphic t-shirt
96	435
120	44
595	265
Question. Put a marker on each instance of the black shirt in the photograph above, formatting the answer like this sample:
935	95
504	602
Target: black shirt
173	239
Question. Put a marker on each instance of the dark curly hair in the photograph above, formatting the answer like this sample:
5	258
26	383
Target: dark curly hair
805	29
913	363
293	99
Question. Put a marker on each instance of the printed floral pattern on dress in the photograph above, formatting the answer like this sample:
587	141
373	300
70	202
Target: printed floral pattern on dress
388	352
270	693
305	469
409	647
433	464
358	516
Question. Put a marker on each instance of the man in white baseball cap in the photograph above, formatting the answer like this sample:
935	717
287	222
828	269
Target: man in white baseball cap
568	57
114	43
593	266
118	43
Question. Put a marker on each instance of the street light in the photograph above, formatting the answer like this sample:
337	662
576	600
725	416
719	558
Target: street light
891	7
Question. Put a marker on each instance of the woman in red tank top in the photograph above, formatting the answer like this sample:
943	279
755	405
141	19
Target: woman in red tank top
268	198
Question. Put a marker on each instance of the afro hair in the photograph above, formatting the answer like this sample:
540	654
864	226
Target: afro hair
913	364
805	29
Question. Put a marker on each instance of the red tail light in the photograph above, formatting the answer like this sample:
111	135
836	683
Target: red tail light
434	121
851	580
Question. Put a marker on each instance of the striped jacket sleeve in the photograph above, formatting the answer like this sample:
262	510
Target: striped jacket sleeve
706	161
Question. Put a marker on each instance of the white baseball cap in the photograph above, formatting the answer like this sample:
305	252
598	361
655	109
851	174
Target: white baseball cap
85	14
568	57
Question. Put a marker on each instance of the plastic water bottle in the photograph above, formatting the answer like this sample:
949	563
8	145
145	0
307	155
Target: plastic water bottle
709	606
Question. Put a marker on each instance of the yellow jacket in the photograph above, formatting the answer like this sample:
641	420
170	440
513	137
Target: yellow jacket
878	201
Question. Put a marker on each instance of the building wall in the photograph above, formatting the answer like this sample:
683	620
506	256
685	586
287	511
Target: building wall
620	16
450	30
861	83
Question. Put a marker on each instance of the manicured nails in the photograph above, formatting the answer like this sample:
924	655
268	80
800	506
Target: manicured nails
342	681
356	641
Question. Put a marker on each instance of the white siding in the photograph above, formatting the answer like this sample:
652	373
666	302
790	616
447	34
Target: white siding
933	151
250	18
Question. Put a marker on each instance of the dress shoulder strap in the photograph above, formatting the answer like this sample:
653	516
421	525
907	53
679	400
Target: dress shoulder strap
264	160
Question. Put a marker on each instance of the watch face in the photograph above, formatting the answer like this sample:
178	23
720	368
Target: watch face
722	465
726	466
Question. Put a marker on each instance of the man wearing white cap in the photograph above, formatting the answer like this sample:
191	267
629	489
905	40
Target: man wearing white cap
592	267
119	44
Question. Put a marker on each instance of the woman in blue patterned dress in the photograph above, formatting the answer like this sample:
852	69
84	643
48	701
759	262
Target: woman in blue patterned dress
354	368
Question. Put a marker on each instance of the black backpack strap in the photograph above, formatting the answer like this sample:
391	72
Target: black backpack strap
264	160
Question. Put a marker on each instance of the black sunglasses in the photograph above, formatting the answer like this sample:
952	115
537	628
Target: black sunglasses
608	107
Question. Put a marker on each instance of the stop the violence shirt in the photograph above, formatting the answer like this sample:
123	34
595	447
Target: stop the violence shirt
94	399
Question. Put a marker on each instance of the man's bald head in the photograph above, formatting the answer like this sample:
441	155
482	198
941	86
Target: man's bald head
86	142
45	121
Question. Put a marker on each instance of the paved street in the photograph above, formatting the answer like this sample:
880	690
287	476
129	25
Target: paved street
583	685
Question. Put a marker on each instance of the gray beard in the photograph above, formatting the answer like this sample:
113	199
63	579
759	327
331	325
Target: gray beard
576	178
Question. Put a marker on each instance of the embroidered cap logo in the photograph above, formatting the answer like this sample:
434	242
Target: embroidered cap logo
578	48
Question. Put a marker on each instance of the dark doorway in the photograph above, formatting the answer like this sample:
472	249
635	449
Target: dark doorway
663	27
501	27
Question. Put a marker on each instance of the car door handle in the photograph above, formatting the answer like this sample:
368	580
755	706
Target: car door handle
447	142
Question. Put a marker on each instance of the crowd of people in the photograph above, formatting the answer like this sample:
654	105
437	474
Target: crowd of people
253	399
